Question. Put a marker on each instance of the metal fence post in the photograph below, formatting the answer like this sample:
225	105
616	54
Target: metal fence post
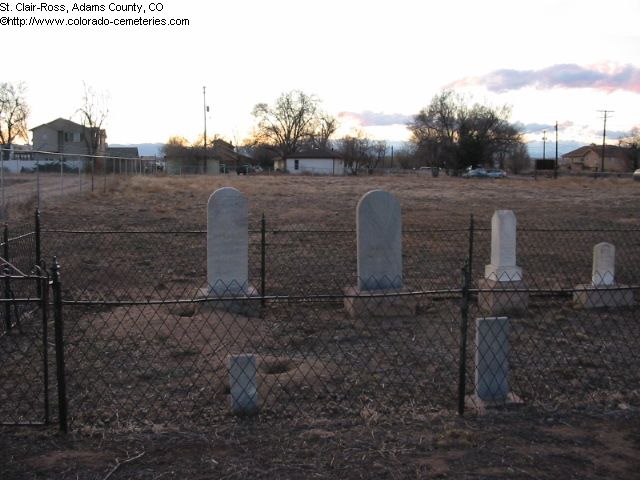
7	281
59	340
38	251
263	249
464	328
467	270
43	287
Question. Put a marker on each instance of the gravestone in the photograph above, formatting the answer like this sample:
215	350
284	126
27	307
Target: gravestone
503	266
604	264
379	241
603	291
243	384
379	259
491	379
502	284
228	251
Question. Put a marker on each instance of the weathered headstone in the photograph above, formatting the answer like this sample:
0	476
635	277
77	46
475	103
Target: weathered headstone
227	242
603	291
379	241
379	259
228	252
604	261
243	384
502	285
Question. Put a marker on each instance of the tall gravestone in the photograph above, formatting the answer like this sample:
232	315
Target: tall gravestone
502	284
228	248
603	291
379	241
379	259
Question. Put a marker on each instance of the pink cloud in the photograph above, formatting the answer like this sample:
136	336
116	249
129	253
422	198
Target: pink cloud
606	77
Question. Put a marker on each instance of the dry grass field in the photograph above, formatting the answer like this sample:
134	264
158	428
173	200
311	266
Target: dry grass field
417	437
164	202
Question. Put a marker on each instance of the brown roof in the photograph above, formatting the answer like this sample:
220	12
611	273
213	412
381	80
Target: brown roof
610	151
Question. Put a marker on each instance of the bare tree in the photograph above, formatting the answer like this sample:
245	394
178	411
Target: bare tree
518	160
14	112
451	134
93	113
359	152
288	124
632	142
326	127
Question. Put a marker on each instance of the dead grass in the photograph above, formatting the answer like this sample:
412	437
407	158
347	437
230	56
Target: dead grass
418	441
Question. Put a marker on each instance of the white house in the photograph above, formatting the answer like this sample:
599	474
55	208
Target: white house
312	162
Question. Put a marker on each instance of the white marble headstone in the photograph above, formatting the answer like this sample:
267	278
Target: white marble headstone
604	259
503	266
379	239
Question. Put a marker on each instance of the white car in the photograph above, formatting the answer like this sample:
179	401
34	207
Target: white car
636	175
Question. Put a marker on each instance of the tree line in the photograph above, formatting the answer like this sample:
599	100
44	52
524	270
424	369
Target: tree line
451	132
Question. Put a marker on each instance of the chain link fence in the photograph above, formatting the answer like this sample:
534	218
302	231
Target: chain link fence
143	345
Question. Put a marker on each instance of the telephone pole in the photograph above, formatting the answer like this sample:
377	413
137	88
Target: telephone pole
604	137
204	97
555	170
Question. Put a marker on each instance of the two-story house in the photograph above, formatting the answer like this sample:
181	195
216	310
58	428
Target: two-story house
589	158
63	136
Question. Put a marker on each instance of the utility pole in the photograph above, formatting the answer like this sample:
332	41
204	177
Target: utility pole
544	146
204	98
555	169
604	137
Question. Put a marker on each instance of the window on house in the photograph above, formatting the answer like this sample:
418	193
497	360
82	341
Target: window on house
76	136
296	164
67	136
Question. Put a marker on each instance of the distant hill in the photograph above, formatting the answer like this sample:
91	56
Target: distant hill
144	149
535	148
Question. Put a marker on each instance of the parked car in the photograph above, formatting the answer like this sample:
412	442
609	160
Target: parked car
481	172
636	175
496	173
475	173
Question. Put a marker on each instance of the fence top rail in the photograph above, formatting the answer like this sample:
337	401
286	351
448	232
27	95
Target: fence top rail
315	231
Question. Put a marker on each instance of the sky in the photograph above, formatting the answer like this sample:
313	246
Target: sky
373	63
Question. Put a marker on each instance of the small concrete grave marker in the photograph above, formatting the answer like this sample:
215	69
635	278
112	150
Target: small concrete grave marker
491	365
243	384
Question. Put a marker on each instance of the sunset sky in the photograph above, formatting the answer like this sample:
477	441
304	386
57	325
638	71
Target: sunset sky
373	63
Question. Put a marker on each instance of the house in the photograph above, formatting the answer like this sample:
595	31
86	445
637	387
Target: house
589	159
65	136
315	162
122	160
221	157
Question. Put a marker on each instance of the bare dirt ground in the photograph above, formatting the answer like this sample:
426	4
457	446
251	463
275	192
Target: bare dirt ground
417	442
